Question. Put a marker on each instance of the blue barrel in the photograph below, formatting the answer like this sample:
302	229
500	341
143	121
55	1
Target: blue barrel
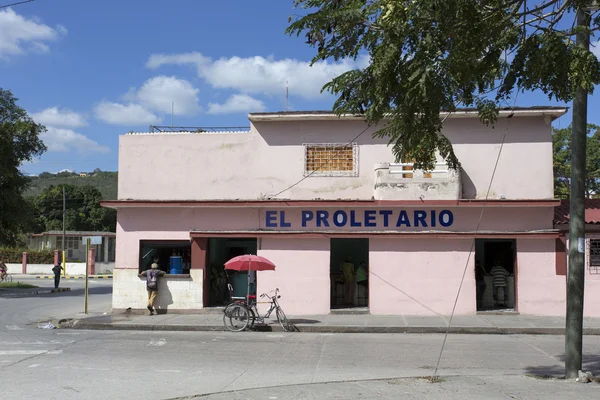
176	264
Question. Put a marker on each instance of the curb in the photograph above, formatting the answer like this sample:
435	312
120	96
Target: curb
81	324
75	277
35	292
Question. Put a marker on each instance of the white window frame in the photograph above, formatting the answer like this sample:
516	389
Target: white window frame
593	268
353	173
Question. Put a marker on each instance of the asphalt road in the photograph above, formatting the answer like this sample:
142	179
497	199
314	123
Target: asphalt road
62	364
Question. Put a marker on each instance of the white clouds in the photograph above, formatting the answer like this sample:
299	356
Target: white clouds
59	117
160	92
158	60
66	140
18	34
121	114
261	75
237	103
146	104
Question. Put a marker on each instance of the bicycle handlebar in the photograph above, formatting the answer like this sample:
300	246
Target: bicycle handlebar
271	297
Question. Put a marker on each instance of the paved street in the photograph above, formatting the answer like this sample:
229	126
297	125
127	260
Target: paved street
75	364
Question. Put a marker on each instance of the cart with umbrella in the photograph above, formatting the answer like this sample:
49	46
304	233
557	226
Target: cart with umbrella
242	312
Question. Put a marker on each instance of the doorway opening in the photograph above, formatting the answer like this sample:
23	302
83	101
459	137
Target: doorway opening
495	265
221	250
349	273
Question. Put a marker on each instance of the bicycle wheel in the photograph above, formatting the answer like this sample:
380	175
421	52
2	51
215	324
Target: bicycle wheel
238	317
282	319
8	278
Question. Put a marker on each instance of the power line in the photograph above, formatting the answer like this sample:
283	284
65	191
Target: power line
16	4
474	238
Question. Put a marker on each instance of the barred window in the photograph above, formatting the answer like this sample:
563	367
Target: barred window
594	256
331	159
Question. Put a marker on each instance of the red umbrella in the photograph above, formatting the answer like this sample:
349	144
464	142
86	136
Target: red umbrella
249	262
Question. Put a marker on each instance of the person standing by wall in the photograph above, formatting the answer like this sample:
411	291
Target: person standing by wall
152	276
499	280
57	271
348	272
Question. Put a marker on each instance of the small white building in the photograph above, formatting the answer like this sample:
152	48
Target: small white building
75	249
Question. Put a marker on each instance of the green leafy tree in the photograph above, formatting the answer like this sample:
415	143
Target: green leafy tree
19	142
561	143
432	56
83	210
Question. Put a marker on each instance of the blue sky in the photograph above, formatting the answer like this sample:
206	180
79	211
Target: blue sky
93	70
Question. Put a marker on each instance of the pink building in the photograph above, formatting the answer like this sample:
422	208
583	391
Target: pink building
296	188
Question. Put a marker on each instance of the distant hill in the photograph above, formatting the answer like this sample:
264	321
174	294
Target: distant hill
104	181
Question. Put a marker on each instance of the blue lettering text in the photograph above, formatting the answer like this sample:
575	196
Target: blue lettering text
386	214
446	218
282	222
322	217
271	219
403	219
306	216
371	218
420	216
340	218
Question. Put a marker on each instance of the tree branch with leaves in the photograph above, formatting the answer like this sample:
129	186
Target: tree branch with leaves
430	57
19	142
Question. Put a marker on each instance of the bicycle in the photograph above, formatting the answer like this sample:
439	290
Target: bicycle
245	313
7	278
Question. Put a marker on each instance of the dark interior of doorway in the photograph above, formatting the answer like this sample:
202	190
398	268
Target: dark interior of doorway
355	251
221	250
487	253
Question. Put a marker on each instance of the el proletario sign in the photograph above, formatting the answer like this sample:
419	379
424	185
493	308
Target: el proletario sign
359	218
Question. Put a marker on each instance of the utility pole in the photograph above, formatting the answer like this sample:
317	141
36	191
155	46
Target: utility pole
576	279
64	262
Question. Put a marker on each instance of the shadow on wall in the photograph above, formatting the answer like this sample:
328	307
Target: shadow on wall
469	191
163	300
286	134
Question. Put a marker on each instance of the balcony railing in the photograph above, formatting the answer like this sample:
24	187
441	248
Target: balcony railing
198	129
406	169
400	181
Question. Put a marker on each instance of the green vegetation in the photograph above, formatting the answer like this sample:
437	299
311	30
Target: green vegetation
561	143
83	210
425	58
19	142
14	255
17	285
104	181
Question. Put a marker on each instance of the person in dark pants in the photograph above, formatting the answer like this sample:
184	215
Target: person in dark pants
57	270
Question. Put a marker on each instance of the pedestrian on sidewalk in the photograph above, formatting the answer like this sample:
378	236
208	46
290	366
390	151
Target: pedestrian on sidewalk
57	271
152	276
499	280
3	269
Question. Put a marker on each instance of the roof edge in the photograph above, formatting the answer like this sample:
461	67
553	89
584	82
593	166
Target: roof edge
537	111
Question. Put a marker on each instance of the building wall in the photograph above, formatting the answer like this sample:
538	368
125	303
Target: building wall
270	158
420	276
302	274
540	290
174	293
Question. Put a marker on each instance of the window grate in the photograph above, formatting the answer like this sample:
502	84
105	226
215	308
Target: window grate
594	264
331	159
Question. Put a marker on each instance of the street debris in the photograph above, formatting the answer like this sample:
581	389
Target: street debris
49	325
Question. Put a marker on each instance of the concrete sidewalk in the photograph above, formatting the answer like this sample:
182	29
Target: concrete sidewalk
70	276
212	320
